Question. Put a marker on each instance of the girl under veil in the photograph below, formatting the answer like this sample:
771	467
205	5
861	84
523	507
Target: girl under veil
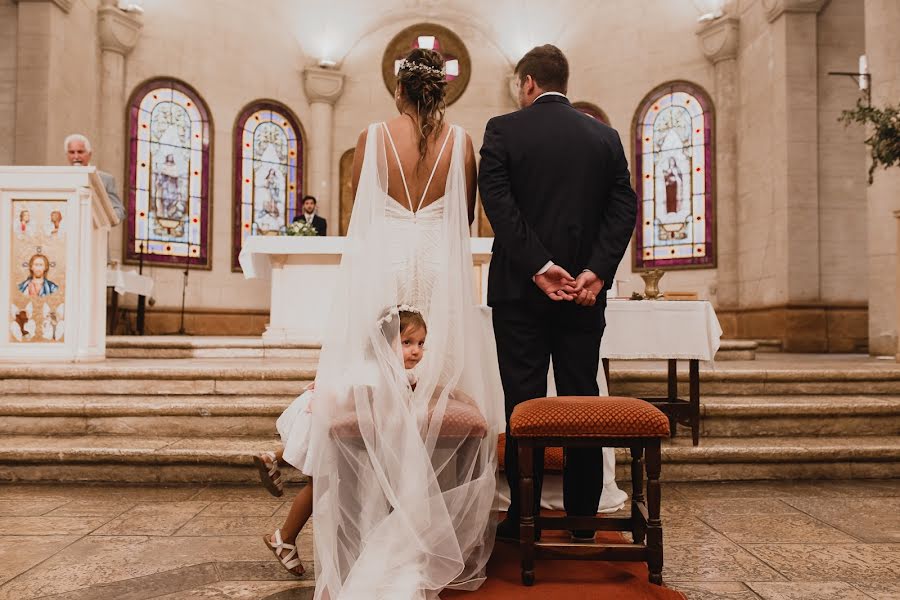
404	476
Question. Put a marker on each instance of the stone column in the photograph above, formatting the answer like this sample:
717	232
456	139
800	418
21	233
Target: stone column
323	88
39	39
719	42
795	172
883	196
119	32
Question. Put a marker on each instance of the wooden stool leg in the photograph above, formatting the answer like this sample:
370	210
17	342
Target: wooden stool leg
638	525
672	395
654	525
526	510
694	378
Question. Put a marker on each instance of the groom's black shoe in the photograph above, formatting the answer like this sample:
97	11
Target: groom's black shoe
583	536
508	531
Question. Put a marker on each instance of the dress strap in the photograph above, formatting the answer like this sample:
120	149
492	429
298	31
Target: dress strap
400	166
437	161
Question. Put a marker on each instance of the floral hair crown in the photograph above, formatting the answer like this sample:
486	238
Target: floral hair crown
400	308
407	65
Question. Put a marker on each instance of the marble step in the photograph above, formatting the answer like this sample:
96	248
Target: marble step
161	346
126	346
800	415
211	459
245	415
178	416
287	376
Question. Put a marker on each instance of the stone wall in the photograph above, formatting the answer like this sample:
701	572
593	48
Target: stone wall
882	19
842	162
57	78
8	27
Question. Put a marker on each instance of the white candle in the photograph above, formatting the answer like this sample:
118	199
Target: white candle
863	72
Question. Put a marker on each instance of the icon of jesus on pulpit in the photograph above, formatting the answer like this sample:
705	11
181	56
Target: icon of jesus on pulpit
37	285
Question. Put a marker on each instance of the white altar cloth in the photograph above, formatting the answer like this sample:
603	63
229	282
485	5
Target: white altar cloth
303	271
128	282
660	329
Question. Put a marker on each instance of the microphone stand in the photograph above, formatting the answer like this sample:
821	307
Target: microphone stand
141	305
187	269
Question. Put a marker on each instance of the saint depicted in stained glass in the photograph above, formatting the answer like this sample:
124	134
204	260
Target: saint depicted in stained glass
168	207
268	172
674	166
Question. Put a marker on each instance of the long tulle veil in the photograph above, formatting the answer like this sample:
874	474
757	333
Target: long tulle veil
404	480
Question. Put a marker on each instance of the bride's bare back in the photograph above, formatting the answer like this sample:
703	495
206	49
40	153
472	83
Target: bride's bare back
405	135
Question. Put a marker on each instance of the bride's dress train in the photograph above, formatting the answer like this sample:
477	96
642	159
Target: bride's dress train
405	479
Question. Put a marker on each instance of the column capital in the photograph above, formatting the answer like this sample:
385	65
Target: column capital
64	5
719	39
119	31
775	8
323	85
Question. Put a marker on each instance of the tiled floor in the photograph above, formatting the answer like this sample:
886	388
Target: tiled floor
835	540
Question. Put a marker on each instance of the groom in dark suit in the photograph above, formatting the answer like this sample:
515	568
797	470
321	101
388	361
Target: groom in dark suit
556	188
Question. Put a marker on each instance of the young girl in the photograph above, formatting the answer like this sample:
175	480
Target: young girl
294	427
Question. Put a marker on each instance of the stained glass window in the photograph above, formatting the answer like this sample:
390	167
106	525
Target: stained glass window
674	170
268	172
168	219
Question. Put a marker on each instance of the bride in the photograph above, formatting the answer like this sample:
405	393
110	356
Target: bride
404	467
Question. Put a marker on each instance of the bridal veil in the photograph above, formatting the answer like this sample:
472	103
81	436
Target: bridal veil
404	479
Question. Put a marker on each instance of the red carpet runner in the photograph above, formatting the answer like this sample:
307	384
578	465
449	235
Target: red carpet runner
565	579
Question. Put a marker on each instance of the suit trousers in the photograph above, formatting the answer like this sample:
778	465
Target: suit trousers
528	333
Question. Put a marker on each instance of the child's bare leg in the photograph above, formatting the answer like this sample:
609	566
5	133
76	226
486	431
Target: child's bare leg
301	509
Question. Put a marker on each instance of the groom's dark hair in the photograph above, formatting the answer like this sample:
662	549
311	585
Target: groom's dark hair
547	65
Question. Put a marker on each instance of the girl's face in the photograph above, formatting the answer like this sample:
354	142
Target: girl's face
412	342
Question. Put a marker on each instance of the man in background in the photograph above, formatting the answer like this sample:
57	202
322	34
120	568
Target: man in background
79	152
309	215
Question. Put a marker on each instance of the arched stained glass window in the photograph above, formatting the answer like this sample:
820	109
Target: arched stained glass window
674	178
268	172
168	185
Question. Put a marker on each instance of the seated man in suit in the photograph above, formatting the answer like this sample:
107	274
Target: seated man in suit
79	152
309	215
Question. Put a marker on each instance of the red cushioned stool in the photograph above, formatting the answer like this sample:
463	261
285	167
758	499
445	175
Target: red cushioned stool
589	421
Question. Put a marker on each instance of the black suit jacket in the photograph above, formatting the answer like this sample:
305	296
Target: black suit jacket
555	186
320	224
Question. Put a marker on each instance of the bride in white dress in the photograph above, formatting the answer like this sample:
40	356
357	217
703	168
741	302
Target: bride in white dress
405	475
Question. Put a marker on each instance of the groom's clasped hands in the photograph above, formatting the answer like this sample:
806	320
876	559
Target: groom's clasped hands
559	286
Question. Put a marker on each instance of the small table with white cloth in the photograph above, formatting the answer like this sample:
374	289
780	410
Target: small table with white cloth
669	330
126	282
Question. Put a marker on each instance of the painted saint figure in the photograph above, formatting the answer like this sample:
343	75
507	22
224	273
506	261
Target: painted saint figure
269	217
674	186
168	198
23	227
55	222
37	285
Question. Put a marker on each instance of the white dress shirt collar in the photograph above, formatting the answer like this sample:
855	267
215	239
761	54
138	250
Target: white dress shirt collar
549	94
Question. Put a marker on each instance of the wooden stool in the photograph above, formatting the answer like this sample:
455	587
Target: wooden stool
588	421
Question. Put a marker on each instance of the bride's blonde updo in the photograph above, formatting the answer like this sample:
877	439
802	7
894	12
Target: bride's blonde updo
423	84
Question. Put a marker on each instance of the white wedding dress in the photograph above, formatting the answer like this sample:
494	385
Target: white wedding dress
404	480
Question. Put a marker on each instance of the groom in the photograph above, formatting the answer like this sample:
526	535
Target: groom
556	188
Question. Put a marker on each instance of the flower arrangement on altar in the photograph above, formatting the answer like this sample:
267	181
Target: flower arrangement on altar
300	228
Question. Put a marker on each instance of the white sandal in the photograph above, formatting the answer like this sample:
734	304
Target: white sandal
269	474
291	561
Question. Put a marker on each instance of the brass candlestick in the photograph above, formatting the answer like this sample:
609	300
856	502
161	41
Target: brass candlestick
651	283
